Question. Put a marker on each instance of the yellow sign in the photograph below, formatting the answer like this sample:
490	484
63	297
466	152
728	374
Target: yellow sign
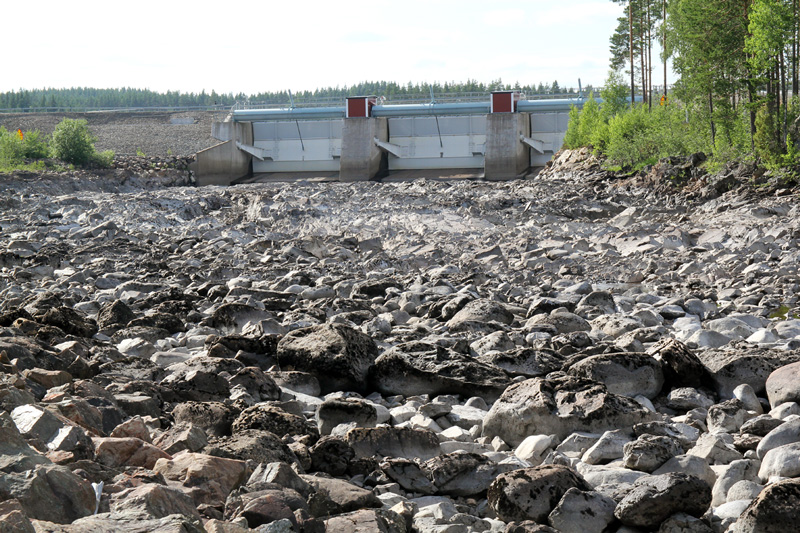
19	132
663	99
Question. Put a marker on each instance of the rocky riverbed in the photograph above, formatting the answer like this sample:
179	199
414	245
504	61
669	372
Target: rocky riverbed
579	352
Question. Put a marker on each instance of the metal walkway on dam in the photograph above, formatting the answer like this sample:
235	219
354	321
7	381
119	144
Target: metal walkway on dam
499	138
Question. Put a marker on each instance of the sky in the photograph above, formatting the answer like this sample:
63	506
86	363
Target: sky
250	47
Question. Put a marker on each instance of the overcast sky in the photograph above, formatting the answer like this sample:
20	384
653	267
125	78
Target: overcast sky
250	47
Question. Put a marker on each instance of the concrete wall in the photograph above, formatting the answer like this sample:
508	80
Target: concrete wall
507	156
224	163
361	159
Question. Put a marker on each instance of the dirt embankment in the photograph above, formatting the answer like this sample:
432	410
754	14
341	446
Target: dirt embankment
128	133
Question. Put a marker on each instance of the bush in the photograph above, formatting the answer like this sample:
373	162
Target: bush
35	145
73	142
103	159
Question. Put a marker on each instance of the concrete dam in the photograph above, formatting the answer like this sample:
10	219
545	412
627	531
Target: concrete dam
500	138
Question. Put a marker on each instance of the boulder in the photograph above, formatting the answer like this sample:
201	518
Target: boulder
528	362
265	506
787	432
340	496
128	451
627	374
50	492
680	366
730	368
782	461
463	474
560	406
783	385
335	411
422	368
653	499
367	521
481	315
214	418
338	355
254	445
649	452
394	442
271	418
205	478
532	493
582	512
70	321
775	510
152	500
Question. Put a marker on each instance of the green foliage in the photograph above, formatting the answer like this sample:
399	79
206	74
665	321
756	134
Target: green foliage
103	159
766	140
73	142
35	145
615	95
14	150
572	139
140	153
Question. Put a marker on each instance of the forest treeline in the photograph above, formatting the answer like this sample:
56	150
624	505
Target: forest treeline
736	90
85	97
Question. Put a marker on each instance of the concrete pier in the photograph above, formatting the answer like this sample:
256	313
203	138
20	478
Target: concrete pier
507	157
361	159
224	163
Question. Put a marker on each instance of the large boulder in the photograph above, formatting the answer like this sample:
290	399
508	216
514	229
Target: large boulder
152	500
335	411
205	478
338	355
775	510
628	374
783	385
394	442
560	406
532	493
528	362
271	418
423	368
731	368
199	379
50	492
653	499
482	316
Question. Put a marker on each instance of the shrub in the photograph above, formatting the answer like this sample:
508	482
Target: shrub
73	142
103	159
10	147
35	145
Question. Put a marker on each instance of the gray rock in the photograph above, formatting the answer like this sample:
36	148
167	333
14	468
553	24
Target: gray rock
532	493
339	356
337	411
774	510
582	512
394	442
627	374
560	407
423	368
649	452
731	368
783	384
656	498
786	433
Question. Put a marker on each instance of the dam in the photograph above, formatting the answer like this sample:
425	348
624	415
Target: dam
500	137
